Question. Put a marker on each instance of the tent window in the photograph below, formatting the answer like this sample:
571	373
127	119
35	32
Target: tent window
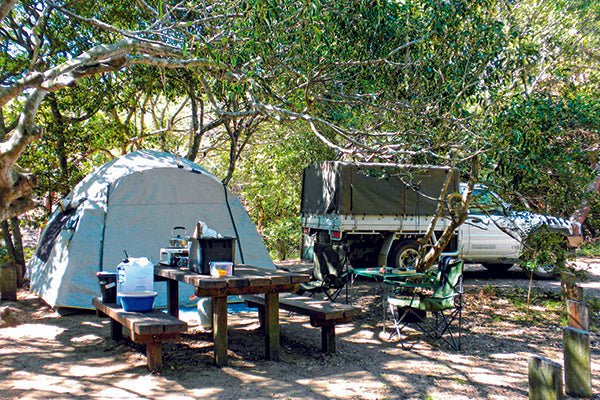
62	220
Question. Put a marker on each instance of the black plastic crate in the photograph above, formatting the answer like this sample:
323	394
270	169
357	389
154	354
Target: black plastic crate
216	249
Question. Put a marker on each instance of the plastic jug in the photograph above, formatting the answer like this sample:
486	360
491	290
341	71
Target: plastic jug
135	275
204	306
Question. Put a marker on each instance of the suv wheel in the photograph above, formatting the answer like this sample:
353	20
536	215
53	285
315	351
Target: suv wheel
542	271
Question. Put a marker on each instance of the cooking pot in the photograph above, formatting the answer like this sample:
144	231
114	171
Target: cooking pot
177	239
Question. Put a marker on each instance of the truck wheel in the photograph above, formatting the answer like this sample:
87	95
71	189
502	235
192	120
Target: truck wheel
497	268
405	255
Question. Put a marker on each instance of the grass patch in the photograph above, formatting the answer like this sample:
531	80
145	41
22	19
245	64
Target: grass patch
510	305
589	249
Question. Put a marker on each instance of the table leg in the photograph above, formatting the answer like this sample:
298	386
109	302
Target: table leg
272	326
219	313
116	330
173	297
154	356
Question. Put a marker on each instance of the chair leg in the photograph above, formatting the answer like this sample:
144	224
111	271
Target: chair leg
446	327
400	323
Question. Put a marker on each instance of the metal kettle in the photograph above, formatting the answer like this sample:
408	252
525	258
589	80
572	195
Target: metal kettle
178	237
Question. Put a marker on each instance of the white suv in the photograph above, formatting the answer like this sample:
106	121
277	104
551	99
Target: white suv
493	234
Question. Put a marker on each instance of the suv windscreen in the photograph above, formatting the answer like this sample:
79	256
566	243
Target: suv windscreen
486	202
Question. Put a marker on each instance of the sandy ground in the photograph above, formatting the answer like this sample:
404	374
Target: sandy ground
44	356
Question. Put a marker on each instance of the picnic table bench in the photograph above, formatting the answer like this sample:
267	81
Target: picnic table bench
323	313
150	328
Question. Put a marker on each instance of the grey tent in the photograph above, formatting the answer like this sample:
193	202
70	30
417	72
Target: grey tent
132	203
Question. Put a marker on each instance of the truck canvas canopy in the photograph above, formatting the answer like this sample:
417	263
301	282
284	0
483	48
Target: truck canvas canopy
334	187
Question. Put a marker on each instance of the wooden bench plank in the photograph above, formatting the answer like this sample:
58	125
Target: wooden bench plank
320	309
322	313
150	328
151	322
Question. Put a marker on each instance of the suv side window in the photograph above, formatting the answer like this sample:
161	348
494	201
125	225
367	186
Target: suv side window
486	202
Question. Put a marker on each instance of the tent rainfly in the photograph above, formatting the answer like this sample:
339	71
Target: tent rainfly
131	204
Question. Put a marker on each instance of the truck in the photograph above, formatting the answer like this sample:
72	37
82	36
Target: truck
372	214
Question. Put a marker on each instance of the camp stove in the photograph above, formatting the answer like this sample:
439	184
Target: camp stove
174	256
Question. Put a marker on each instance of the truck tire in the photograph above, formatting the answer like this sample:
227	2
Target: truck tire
497	268
404	255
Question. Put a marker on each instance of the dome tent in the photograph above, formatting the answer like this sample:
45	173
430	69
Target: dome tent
131	204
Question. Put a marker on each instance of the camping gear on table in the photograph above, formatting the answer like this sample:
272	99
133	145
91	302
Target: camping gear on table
134	275
220	268
175	257
207	246
138	301
177	254
108	286
178	241
132	203
194	249
212	250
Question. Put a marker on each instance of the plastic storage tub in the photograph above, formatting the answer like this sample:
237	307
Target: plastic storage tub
108	286
137	301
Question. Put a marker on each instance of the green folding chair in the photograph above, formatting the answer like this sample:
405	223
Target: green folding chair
440	296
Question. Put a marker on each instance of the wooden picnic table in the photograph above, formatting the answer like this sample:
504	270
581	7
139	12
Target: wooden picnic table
246	279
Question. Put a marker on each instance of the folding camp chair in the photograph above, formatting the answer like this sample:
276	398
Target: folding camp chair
330	275
440	296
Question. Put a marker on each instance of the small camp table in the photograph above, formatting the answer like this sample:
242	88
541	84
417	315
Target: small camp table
245	280
380	274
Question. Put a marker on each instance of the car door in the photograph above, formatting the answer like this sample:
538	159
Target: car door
485	233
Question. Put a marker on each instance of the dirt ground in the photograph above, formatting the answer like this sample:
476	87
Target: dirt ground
45	356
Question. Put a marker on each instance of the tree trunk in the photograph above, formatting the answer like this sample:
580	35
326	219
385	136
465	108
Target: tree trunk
19	253
197	122
458	216
8	242
59	123
11	234
581	214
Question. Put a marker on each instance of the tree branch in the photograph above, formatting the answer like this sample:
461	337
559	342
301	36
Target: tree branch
102	58
5	7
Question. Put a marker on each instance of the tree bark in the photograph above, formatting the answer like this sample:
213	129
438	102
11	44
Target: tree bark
17	241
5	7
60	144
11	233
458	216
197	122
581	214
16	186
8	242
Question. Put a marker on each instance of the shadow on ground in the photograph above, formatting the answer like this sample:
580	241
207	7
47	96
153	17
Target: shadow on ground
44	356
